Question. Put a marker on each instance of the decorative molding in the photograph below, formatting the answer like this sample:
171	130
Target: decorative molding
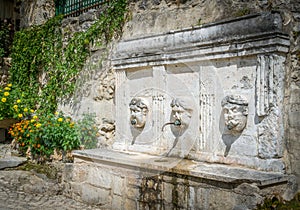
250	35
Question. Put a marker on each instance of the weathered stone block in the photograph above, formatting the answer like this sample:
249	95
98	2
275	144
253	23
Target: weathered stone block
132	192
99	177
167	189
95	195
130	204
117	202
118	185
80	173
212	198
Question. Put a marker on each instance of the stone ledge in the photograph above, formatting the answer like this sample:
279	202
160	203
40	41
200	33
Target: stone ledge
161	164
11	162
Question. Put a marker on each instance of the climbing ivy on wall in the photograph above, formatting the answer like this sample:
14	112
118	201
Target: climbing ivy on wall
46	70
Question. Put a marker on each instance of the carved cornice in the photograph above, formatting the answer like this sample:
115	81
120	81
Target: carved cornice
244	36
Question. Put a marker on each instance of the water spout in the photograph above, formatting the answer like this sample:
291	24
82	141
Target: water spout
133	122
177	122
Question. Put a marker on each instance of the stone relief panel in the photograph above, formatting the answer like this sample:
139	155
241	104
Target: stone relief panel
234	85
162	96
182	107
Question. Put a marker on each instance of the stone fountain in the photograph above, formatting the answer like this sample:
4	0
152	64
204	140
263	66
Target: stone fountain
199	121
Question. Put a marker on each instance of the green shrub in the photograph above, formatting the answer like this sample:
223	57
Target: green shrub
88	131
43	133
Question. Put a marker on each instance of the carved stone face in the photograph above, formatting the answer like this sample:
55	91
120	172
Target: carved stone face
181	114
235	113
138	113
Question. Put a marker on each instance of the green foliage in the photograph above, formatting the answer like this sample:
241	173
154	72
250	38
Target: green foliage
13	104
88	131
44	72
34	52
38	52
44	133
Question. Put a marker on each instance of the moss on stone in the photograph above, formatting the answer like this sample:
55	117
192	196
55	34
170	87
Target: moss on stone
242	12
49	170
275	204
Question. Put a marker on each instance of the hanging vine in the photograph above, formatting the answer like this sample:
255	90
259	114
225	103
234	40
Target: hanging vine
45	70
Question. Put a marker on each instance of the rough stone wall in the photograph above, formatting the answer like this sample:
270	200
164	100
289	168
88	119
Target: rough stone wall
116	187
292	102
36	12
5	64
158	16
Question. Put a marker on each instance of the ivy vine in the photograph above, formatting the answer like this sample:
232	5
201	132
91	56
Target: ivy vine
45	70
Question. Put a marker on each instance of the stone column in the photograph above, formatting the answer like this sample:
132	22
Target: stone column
269	100
121	126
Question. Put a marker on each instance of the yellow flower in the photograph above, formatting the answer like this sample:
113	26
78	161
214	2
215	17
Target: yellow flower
38	125
6	93
20	115
9	85
31	110
32	120
60	119
3	100
18	101
56	113
34	117
25	110
15	106
6	88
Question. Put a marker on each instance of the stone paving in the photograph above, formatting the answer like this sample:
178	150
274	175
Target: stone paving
31	191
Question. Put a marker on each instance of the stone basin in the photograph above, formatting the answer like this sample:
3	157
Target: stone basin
131	180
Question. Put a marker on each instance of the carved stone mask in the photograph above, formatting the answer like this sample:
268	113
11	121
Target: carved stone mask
181	113
138	112
235	109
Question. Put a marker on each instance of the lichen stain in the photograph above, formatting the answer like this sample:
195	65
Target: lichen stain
151	193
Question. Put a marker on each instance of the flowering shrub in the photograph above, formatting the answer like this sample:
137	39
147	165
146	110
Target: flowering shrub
12	104
43	133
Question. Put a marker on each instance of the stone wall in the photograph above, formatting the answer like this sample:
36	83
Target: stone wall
36	12
292	124
5	64
115	185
